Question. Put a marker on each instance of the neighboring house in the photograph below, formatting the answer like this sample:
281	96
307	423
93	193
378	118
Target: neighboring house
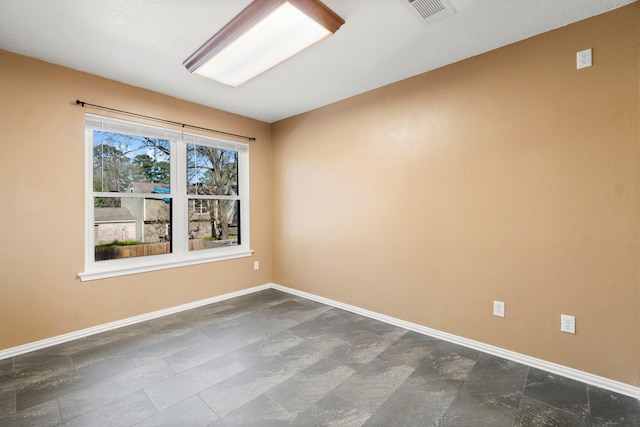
153	216
199	219
113	225
200	213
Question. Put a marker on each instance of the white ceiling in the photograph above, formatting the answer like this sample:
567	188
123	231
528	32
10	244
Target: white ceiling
144	42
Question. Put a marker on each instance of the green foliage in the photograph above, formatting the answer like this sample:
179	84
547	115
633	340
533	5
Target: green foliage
150	170
116	243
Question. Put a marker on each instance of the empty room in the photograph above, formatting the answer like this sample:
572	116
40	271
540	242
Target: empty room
304	213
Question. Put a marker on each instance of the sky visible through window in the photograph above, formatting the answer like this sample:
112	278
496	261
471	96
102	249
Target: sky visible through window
120	159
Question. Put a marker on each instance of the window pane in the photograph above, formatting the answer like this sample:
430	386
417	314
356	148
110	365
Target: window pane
213	223
121	162
211	171
126	227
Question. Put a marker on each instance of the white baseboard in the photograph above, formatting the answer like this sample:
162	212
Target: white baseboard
48	342
585	377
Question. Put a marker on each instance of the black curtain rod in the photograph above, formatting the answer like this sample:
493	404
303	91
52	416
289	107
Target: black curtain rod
82	103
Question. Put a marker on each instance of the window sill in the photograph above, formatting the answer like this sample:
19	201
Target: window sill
112	271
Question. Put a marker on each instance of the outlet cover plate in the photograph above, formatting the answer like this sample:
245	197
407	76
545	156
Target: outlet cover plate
498	308
567	324
584	59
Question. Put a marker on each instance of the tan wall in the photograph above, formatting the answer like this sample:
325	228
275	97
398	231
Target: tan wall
509	176
42	206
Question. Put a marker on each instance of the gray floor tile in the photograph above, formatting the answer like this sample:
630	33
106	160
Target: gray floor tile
240	338
191	412
179	387
248	304
363	348
127	411
6	366
76	346
135	330
410	349
305	312
467	353
196	355
310	351
294	309
235	326
33	368
323	323
106	391
7	402
534	413
271	325
334	411
303	390
442	366
241	388
261	411
41	365
266	349
417	402
498	380
353	327
166	347
473	410
370	387
205	316
116	343
70	381
612	409
43	415
172	325
559	392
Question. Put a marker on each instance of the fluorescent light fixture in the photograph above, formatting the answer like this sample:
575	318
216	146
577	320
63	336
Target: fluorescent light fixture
264	34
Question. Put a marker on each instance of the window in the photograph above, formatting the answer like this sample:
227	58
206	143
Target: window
212	190
159	198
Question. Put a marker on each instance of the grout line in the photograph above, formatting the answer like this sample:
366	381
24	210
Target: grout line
589	399
524	386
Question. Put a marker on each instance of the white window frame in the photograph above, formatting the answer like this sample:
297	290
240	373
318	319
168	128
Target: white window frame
180	255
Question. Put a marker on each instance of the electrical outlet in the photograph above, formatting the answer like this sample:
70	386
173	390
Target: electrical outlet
256	265
567	324
498	308
584	58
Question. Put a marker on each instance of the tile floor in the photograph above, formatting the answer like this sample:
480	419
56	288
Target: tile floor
274	359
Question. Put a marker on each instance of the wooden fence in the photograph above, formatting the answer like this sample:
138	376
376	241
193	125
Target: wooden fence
130	251
118	252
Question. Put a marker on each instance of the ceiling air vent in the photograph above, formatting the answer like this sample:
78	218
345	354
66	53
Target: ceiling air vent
430	11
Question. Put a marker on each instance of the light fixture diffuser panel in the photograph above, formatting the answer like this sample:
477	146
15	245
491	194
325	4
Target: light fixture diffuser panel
263	35
281	35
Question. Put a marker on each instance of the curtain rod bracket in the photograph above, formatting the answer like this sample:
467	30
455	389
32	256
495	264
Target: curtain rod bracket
82	104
